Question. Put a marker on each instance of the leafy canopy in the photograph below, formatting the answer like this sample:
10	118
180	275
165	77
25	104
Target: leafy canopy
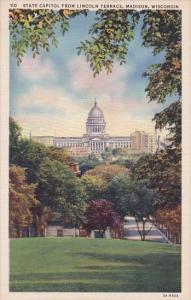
22	200
36	29
107	171
61	190
99	215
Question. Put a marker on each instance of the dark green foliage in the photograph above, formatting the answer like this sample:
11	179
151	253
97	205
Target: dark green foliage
95	186
163	170
89	163
107	154
25	152
134	198
30	156
118	192
14	138
161	30
61	190
131	197
170	118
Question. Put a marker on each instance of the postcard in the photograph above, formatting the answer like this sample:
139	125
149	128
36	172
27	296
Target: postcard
95	149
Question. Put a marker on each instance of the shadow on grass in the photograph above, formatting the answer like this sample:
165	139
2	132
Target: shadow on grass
157	272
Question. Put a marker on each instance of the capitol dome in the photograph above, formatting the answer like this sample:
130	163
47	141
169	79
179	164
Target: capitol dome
95	124
95	112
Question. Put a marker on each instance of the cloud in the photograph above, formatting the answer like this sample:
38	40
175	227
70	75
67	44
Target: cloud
37	69
82	80
44	111
123	117
51	111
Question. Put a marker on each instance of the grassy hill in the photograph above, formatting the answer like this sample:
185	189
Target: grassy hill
93	265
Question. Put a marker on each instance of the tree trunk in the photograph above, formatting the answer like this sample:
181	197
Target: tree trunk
139	229
143	235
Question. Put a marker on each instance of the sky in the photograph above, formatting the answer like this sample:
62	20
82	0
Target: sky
53	93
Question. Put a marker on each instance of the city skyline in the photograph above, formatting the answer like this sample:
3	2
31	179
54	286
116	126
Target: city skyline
52	94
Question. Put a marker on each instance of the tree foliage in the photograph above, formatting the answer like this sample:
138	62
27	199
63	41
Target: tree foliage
95	186
134	198
59	189
111	34
109	40
163	170
22	200
14	138
161	31
118	193
25	152
170	118
86	164
107	154
59	154
36	29
107	171
30	155
99	215
170	218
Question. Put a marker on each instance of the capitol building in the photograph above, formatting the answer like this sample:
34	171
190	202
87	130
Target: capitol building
96	140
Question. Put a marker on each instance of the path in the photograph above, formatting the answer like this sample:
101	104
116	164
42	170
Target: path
131	232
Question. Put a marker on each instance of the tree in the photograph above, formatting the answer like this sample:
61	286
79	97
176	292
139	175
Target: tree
111	34
142	205
163	171
86	164
95	186
41	216
118	193
36	29
133	198
107	171
25	152
59	154
127	163
169	218
30	156
22	200
99	215
107	154
14	138
60	190
120	152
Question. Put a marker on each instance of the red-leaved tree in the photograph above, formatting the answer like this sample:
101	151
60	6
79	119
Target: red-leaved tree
100	215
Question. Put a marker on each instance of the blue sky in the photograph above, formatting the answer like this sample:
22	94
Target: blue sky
52	94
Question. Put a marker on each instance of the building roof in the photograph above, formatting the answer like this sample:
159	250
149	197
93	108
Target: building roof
95	112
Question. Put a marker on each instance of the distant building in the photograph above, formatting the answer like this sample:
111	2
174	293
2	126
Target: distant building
96	140
46	140
142	142
79	151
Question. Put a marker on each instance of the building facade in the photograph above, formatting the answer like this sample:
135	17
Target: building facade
96	140
142	142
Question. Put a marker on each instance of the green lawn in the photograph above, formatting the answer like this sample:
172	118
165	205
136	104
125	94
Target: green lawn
93	265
